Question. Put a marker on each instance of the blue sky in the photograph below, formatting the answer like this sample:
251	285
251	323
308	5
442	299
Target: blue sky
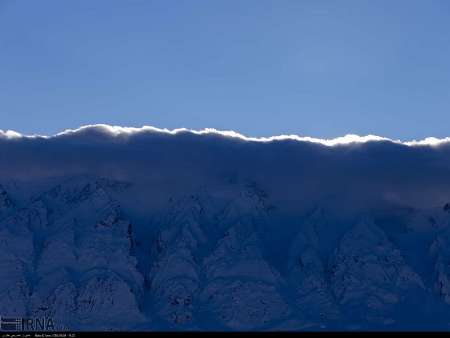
318	68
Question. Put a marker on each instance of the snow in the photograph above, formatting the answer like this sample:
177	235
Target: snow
182	231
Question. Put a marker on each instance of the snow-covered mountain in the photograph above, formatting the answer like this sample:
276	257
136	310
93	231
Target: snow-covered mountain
214	259
201	232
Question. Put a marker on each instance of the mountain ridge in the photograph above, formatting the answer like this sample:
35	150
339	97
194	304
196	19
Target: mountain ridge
207	262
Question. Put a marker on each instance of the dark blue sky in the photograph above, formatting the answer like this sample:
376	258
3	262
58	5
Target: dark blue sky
318	68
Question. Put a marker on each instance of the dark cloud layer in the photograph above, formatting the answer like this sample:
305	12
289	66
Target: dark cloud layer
292	170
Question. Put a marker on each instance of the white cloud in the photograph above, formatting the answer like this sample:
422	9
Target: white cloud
9	134
116	131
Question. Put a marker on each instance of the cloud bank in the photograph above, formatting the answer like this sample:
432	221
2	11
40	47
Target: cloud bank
296	171
117	131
